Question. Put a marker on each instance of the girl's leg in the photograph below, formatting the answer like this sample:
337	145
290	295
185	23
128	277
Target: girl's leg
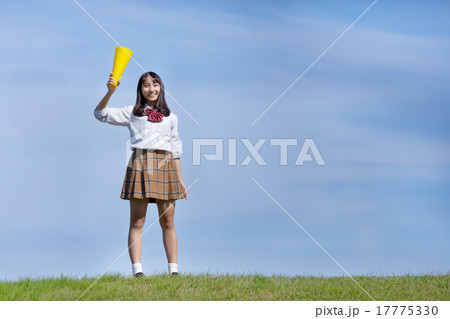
166	211
138	210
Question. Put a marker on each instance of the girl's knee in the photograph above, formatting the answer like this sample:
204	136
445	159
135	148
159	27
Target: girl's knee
166	222
138	223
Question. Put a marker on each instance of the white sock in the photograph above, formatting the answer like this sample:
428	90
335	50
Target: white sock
136	268
173	267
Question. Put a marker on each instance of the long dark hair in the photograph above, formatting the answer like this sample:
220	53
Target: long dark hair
161	104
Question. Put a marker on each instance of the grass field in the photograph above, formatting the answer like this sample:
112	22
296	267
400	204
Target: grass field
229	287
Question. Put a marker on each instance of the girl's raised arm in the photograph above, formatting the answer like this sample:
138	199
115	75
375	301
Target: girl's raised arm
104	102
113	116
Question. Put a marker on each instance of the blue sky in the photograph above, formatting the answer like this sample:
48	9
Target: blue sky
376	106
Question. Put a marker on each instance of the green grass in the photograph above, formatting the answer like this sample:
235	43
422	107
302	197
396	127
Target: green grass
228	287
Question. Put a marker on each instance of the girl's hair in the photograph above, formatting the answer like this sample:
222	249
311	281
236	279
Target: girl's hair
161	104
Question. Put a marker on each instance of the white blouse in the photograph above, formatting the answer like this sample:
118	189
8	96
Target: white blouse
144	133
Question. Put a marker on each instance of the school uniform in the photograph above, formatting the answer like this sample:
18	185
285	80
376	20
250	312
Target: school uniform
150	172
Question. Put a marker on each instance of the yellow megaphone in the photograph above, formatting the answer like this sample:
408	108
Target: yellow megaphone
121	59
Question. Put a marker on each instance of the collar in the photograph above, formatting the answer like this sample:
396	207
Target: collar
146	106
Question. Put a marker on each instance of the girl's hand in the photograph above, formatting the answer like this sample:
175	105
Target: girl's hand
110	84
185	190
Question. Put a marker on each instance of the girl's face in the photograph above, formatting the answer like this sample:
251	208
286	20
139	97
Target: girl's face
150	90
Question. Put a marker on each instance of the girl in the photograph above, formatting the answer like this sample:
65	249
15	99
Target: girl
153	173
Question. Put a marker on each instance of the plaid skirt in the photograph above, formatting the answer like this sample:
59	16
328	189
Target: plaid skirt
151	174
